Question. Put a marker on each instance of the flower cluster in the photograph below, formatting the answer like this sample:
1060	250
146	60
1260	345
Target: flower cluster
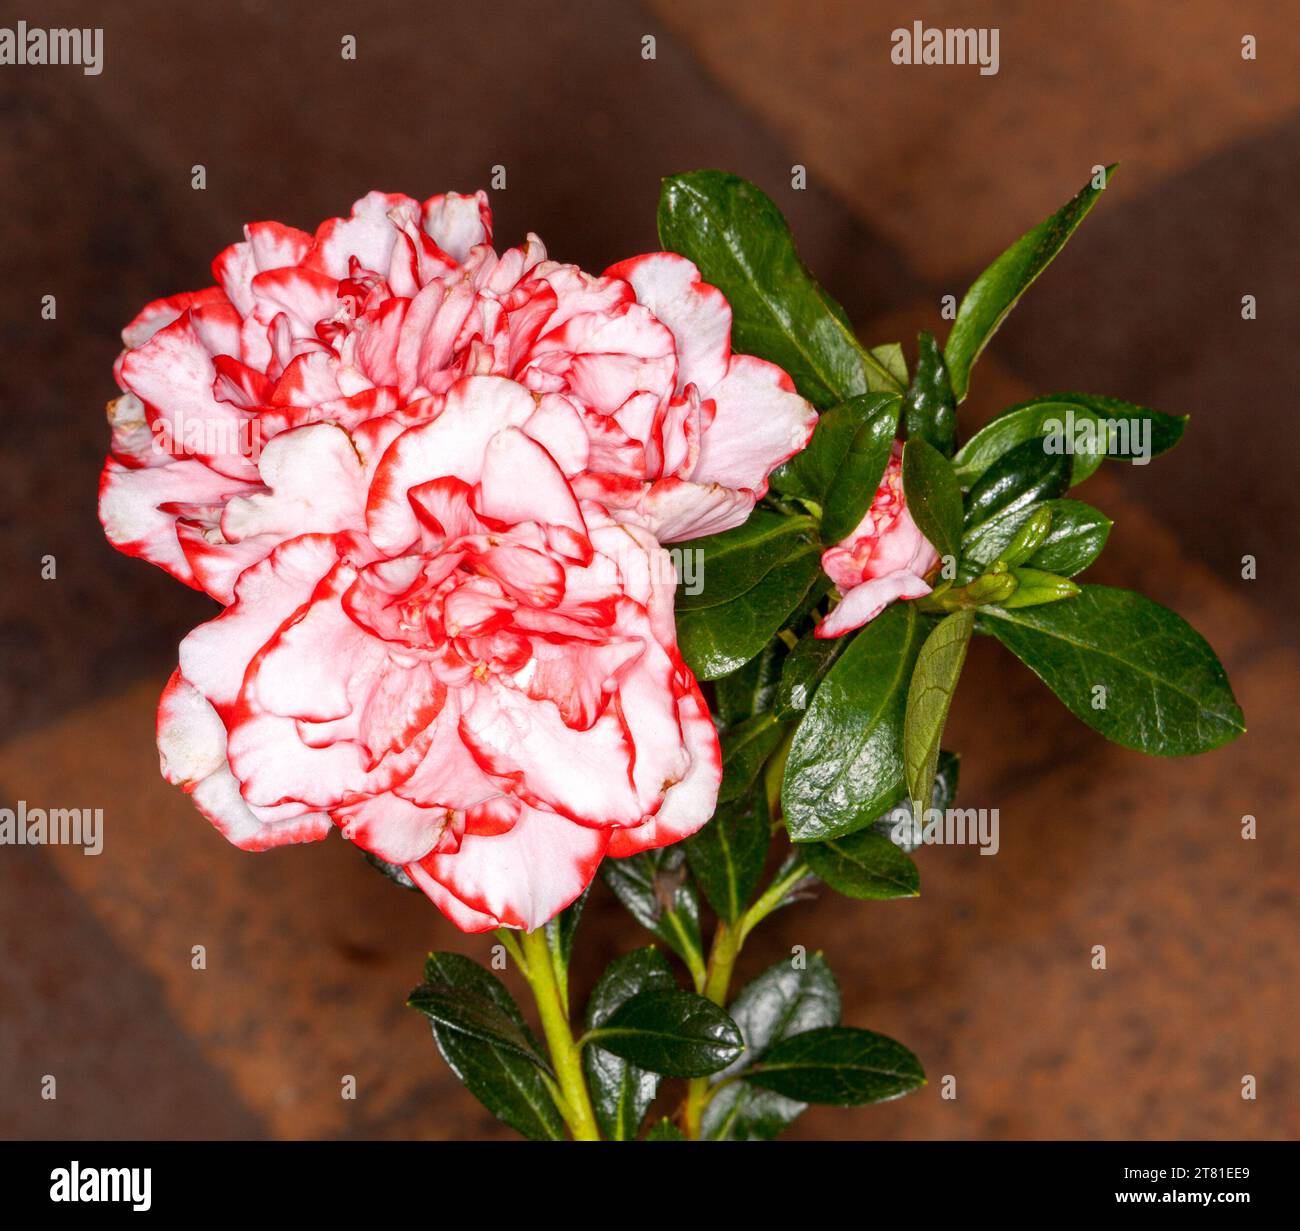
429	483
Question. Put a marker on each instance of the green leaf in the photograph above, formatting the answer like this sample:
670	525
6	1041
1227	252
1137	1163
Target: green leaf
838	1065
1078	534
929	409
737	237
933	496
717	640
1016	482
997	290
737	560
657	893
1165	691
1040	417
803	670
509	1085
745	748
842	466
621	1093
892	360
665	1130
468	1010
865	866
846	760
783	1001
862	466
929	696
727	855
676	1033
750	690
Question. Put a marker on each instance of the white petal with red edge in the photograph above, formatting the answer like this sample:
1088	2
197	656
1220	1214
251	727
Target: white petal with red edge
697	314
521	878
864	603
458	222
760	422
454	443
317	486
191	737
690	802
584	774
215	655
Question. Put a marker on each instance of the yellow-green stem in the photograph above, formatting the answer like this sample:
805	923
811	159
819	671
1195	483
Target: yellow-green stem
576	1108
717	982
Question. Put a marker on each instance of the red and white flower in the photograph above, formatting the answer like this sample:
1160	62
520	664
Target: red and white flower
471	671
884	559
263	407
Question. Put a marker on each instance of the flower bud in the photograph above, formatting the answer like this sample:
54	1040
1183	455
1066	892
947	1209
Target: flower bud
1037	587
1029	538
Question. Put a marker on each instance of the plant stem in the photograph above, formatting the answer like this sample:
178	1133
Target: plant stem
770	900
722	962
576	1107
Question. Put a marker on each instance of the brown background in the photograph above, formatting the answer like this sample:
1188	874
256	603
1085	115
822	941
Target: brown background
917	176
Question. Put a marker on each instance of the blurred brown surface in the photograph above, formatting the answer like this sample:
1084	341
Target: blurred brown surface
917	176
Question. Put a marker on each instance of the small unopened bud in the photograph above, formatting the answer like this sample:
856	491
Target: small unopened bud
1029	538
992	588
1037	587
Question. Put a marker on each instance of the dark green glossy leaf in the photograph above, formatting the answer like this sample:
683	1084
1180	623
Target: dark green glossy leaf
1165	690
783	1001
658	894
745	748
1044	416
846	761
838	1065
929	408
727	855
934	681
842	466
803	670
737	237
500	1077
1016	482
865	866
621	1093
750	689
1078	534
717	640
467	1009
676	1033
665	1130
735	561
933	496
997	290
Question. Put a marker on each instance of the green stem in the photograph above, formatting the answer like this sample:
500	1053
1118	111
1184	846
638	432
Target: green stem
770	900
727	942
576	1105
